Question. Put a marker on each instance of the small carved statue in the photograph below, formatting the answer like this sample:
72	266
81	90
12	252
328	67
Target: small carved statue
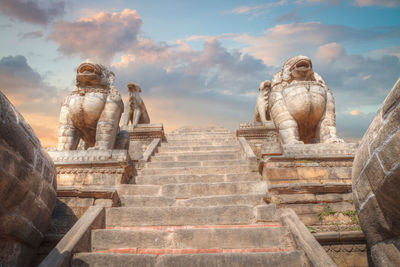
135	109
301	105
92	111
261	110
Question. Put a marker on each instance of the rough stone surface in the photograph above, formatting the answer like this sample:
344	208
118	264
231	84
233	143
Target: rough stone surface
27	188
284	259
376	182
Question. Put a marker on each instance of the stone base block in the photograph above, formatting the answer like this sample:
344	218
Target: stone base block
320	163
92	167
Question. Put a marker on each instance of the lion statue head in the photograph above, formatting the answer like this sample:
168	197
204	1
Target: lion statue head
89	74
298	68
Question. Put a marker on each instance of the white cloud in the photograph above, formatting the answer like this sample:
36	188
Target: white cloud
257	10
384	3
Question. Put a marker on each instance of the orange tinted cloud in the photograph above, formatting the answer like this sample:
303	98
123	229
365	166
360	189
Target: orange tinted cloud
99	36
45	127
328	52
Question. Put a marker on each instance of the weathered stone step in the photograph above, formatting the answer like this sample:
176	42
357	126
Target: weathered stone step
216	215
202	133
139	190
196	170
203	148
171	164
201	130
200	136
225	200
197	156
208	189
241	236
235	150
206	201
197	178
200	142
291	258
146	201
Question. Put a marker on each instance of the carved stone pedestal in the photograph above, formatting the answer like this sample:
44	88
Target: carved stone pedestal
92	167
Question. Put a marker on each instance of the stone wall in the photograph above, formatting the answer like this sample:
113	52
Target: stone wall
376	182
27	188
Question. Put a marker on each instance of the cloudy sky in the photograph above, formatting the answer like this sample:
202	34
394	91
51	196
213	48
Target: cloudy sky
198	62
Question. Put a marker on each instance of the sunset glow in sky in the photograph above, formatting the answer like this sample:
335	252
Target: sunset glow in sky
198	62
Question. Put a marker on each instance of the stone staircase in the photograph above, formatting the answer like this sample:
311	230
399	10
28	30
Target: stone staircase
197	203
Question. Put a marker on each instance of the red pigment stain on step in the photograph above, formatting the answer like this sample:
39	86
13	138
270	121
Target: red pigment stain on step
189	251
173	228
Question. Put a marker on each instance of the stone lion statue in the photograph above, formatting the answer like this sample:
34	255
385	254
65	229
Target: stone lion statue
301	105
261	111
135	109
92	111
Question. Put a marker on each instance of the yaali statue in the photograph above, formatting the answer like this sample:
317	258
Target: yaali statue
92	111
301	105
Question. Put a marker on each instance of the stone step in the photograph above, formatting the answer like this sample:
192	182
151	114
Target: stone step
197	178
139	190
200	142
209	189
225	200
146	201
197	156
208	163
193	148
186	237
198	258
236	150
201	133
200	137
215	215
205	201
197	170
201	130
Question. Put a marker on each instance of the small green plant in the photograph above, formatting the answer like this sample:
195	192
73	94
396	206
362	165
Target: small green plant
311	229
122	204
330	211
352	215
